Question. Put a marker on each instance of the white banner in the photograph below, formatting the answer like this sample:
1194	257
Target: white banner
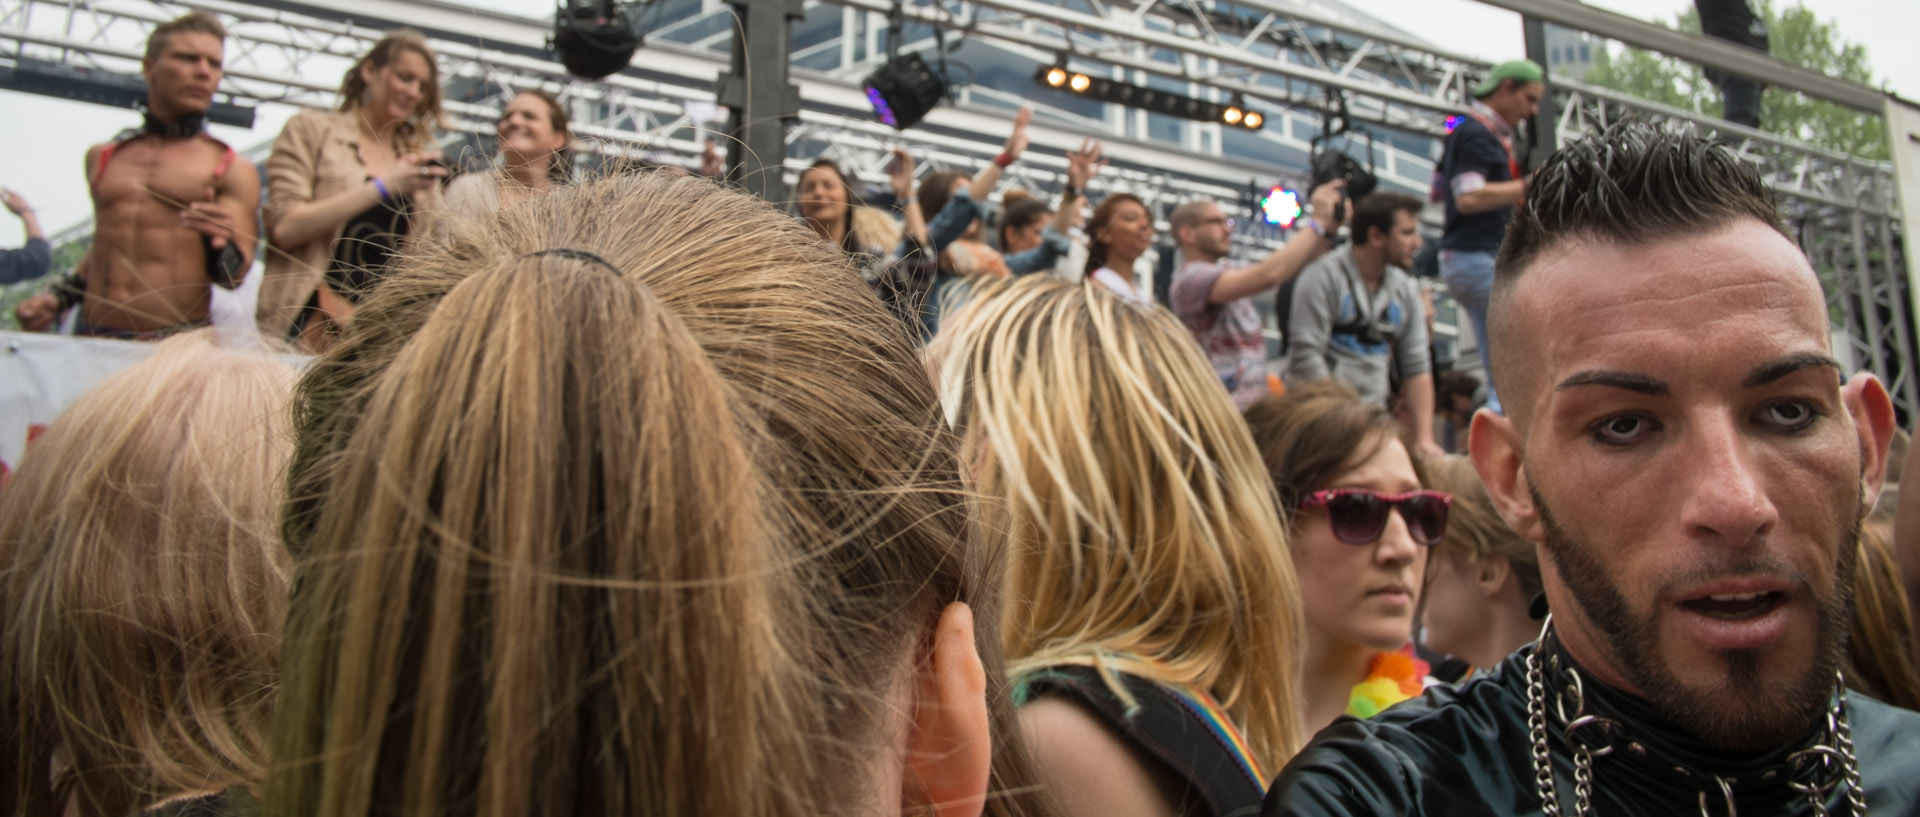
40	374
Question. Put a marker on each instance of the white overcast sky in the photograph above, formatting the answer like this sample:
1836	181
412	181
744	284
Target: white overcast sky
44	138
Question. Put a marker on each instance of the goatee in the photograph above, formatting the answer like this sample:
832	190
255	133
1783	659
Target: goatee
1745	708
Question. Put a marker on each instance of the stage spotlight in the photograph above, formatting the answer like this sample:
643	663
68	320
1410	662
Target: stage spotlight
593	38
904	90
1253	120
1232	116
1280	207
1056	76
1080	82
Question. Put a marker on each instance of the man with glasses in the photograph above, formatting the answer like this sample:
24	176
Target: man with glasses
1215	299
1358	316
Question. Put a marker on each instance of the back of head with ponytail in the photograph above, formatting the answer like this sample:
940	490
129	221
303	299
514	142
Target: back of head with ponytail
651	536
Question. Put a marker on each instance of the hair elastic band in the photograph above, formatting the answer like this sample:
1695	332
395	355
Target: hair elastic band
577	255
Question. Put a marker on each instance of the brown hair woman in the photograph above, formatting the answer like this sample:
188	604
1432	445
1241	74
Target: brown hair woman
632	501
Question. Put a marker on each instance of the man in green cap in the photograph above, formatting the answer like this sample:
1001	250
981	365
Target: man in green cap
1479	179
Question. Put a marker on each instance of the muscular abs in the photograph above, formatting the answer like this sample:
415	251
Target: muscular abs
147	269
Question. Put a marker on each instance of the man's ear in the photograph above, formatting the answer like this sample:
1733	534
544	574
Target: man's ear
1495	446
949	748
1872	410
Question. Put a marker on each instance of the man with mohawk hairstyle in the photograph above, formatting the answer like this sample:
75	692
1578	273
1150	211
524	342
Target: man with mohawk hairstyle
1693	465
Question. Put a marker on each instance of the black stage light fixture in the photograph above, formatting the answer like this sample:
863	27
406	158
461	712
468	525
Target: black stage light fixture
1061	78
594	38
904	90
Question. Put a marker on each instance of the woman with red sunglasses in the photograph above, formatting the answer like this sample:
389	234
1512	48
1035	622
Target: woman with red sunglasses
1359	523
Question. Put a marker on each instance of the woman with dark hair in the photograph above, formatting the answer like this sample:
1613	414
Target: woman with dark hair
1120	231
346	190
968	260
1023	222
535	154
1360	521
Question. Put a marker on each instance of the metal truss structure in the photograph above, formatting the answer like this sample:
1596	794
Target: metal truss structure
1287	57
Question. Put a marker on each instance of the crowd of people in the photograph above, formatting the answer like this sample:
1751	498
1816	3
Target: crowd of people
630	493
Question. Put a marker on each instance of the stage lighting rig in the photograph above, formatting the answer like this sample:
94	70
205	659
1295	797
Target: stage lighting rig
1059	77
594	38
904	90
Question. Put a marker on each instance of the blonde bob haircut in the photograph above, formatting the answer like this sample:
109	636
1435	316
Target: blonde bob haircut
629	499
1144	534
144	585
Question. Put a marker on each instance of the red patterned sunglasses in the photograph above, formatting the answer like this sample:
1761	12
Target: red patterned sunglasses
1359	515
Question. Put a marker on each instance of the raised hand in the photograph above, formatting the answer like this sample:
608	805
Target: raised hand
1325	201
1082	164
900	174
15	204
1017	140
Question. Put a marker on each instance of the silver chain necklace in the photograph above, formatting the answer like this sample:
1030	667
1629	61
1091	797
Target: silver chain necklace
1824	756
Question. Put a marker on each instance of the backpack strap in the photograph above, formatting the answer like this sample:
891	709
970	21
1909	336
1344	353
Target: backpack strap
1187	732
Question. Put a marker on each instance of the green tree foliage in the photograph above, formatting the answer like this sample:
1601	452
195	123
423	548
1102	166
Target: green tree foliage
1795	35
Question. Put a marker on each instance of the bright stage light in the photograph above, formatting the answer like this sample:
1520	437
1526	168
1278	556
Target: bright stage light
1281	207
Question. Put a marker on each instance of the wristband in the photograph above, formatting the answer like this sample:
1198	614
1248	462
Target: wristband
1003	160
381	187
1069	191
1314	225
68	290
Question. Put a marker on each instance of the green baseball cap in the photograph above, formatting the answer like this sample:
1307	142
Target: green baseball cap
1522	71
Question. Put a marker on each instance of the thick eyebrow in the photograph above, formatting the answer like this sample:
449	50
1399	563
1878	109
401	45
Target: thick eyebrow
1614	379
1774	370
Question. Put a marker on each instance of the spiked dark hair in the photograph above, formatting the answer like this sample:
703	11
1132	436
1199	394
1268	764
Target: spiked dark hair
1632	184
1636	183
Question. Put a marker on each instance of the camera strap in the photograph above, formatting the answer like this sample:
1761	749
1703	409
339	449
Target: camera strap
1363	303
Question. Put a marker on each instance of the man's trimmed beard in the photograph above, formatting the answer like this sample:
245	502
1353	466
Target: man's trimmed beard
1744	710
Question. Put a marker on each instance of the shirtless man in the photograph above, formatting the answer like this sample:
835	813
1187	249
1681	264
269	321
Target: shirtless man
174	209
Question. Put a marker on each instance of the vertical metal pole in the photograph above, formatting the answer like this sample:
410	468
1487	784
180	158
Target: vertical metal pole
1546	138
1906	390
1869	309
759	96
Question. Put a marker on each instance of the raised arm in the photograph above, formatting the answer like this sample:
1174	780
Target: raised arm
989	177
900	176
1082	165
1292	257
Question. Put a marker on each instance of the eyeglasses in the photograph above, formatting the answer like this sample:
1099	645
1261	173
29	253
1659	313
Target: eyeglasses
1359	515
1221	220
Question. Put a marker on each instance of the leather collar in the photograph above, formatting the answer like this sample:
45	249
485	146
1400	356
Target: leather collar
1635	745
183	128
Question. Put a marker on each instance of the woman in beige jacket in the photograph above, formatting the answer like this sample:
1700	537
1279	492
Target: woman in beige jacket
346	189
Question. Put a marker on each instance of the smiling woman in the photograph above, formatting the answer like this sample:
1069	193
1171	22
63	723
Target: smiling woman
348	190
535	154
